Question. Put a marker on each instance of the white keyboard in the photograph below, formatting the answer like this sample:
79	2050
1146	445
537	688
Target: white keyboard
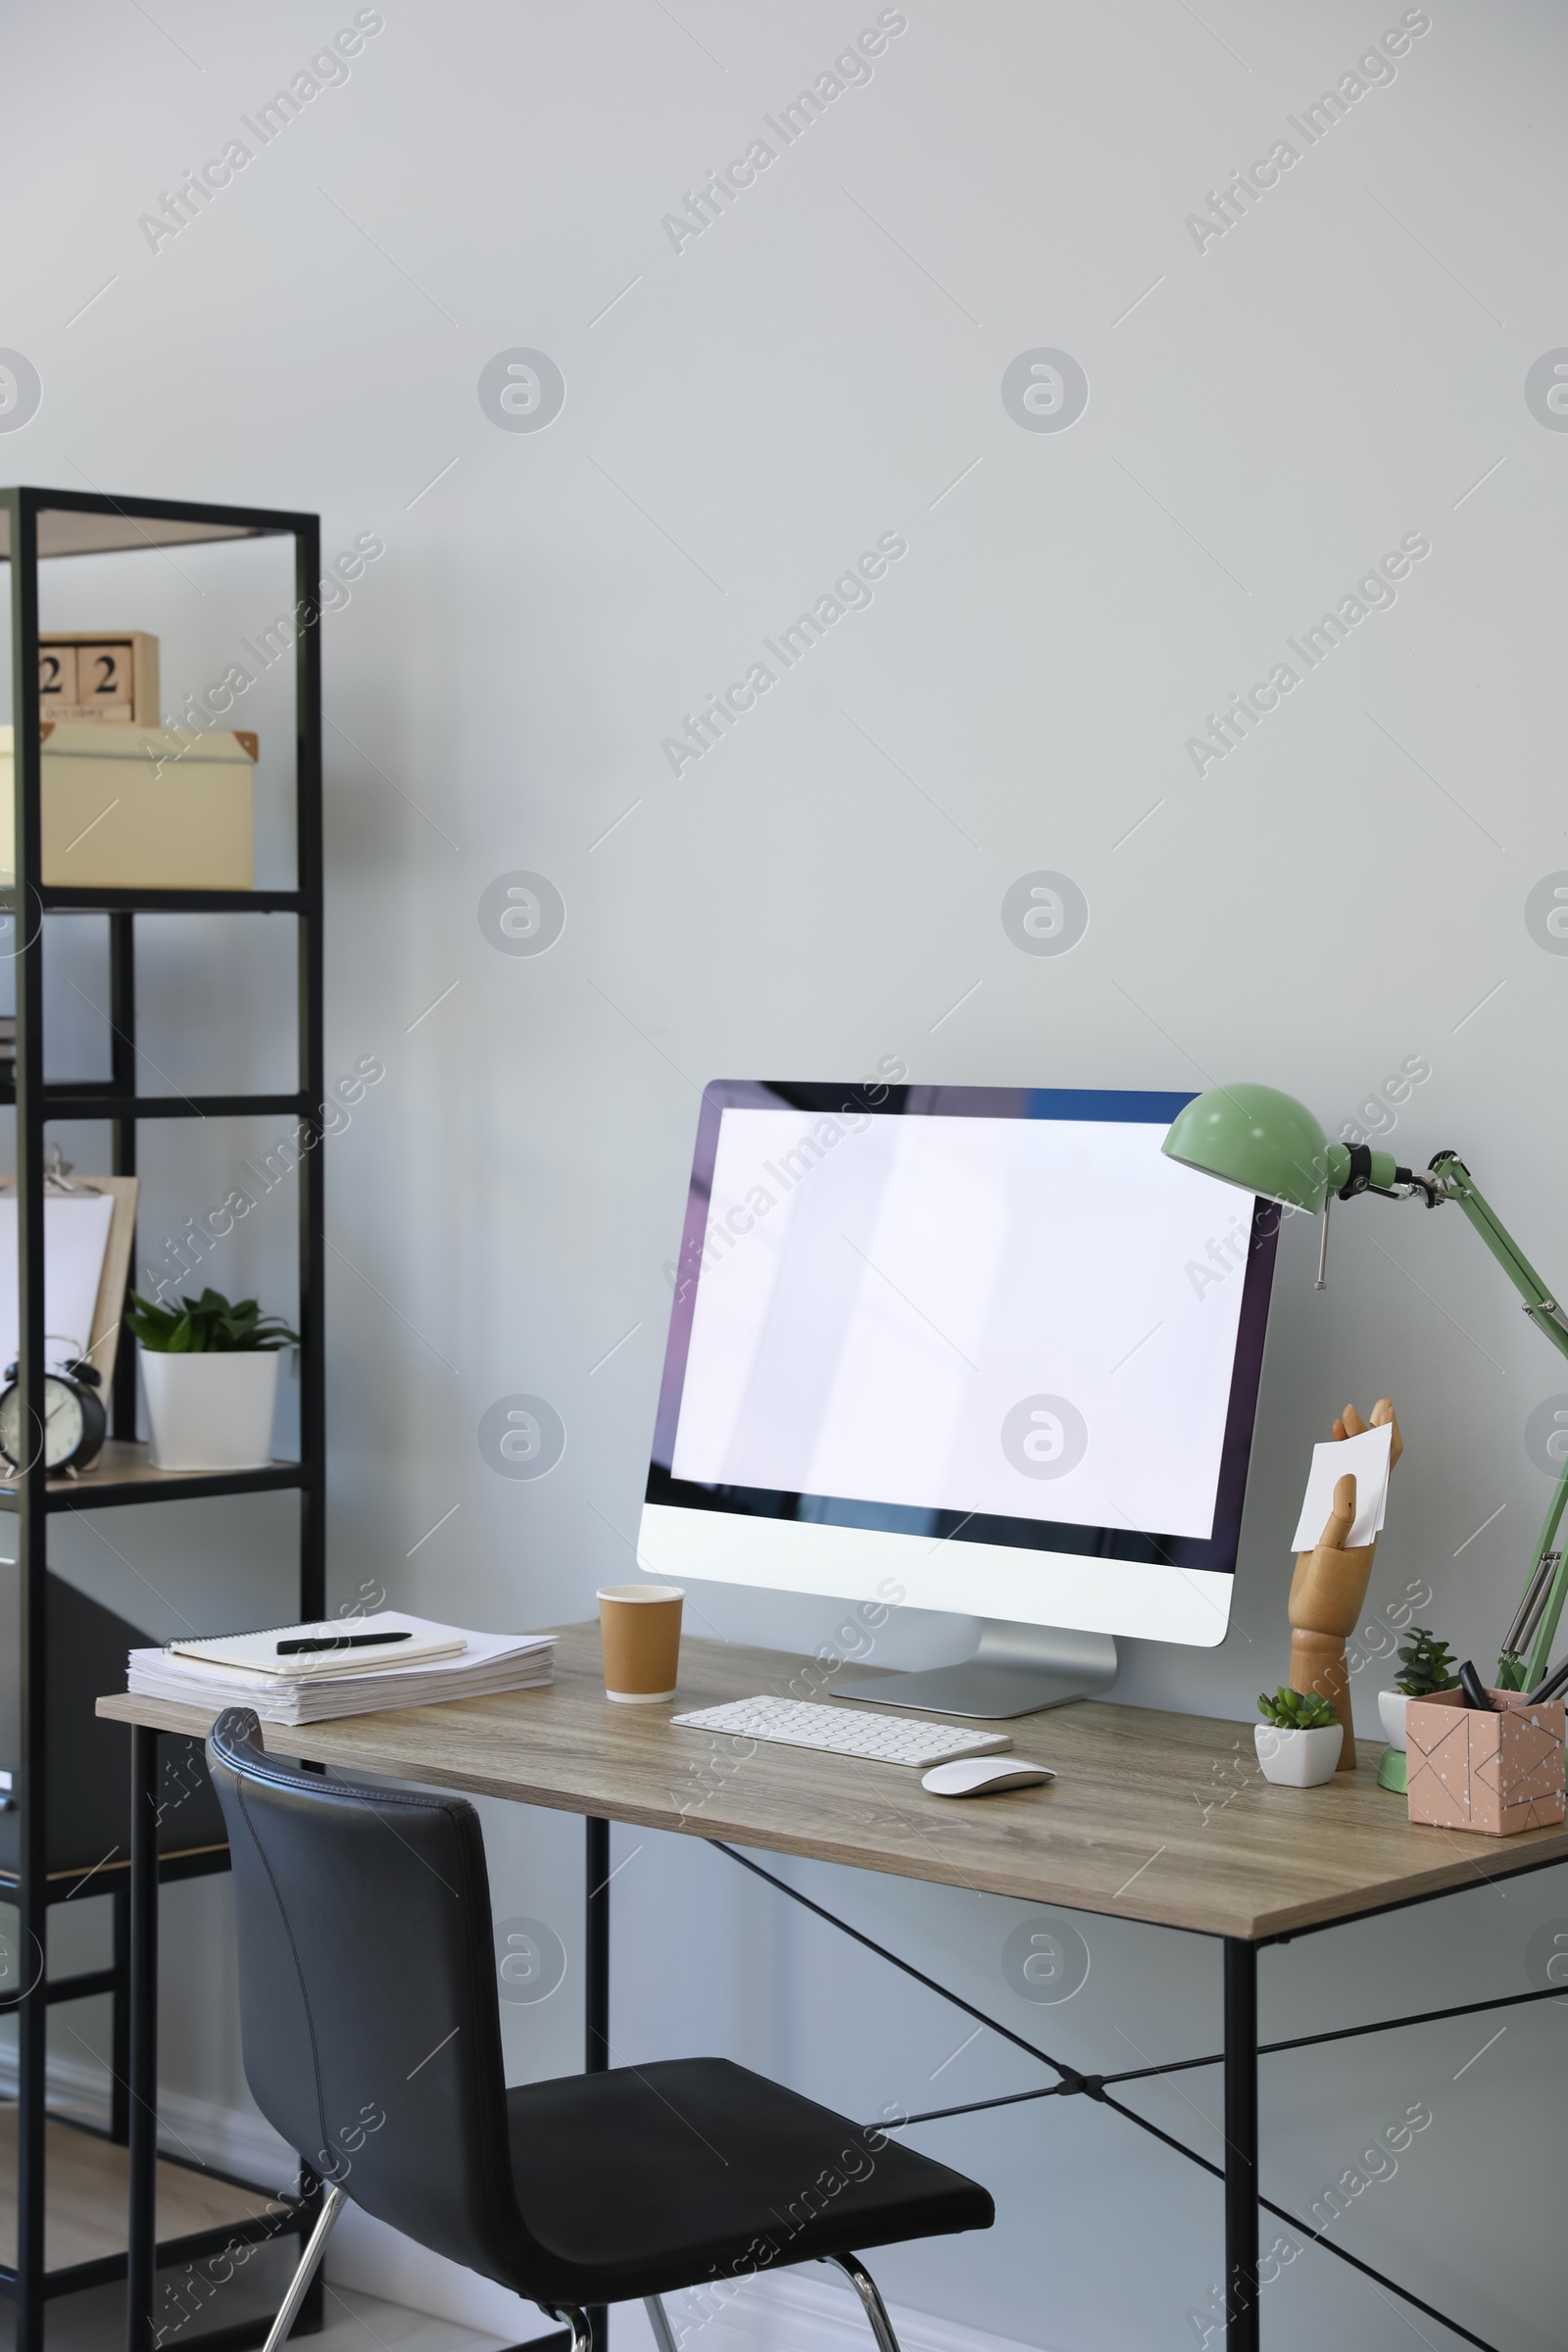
880	1739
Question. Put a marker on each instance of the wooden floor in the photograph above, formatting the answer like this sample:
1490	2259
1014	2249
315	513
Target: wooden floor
94	2321
88	2189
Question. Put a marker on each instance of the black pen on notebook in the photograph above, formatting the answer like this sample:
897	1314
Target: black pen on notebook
306	1642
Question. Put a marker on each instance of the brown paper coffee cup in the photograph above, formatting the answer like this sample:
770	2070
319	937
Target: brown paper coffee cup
639	1630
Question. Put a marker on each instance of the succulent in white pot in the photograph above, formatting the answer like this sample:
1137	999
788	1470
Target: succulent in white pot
209	1372
1425	1665
1299	1739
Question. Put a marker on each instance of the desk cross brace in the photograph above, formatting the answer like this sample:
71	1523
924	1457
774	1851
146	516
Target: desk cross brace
1241	2143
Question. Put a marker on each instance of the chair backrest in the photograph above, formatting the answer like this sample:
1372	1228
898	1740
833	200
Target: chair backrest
368	1995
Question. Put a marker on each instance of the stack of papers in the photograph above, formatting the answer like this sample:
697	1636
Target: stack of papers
1366	1458
435	1662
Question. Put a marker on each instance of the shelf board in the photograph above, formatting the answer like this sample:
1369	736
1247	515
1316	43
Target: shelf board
101	1102
108	1871
88	2191
89	522
125	1473
57	898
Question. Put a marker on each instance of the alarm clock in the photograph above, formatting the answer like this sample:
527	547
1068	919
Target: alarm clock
74	1423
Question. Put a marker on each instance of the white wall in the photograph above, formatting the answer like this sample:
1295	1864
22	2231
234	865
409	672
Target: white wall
1346	889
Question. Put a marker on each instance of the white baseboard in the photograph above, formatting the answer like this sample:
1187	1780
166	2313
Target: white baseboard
804	2309
365	2254
812	2309
231	2139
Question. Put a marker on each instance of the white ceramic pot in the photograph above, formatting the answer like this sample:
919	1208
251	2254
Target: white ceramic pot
1297	1759
211	1413
1391	1706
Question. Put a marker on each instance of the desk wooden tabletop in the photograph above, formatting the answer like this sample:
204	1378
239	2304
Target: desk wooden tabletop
1155	1817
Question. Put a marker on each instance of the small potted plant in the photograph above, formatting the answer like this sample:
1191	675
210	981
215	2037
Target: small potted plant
210	1370
1426	1664
1299	1739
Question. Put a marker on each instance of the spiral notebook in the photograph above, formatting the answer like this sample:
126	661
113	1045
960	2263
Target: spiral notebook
484	1665
360	1645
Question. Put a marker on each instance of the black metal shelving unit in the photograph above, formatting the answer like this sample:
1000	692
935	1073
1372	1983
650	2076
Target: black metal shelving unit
46	525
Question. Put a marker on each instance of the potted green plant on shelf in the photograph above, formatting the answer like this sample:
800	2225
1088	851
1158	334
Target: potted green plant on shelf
210	1371
1299	1739
1426	1664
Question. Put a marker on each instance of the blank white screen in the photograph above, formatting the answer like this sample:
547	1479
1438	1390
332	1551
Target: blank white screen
894	1292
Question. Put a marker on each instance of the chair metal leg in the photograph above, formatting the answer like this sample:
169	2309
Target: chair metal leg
865	2287
315	2246
582	2334
658	2321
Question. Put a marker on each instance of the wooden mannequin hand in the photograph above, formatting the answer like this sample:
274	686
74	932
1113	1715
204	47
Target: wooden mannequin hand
1350	1425
1330	1585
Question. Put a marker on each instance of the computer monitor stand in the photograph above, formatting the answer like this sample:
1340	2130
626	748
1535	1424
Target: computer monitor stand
1016	1670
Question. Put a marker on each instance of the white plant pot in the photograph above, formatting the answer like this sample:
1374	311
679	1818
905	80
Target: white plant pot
211	1413
1297	1759
1391	1706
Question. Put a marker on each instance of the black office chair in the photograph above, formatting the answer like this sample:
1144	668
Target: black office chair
373	2043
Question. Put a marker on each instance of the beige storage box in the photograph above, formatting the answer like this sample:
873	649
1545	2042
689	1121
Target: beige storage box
138	809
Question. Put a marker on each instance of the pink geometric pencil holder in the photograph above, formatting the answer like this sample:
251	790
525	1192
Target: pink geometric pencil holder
1497	1774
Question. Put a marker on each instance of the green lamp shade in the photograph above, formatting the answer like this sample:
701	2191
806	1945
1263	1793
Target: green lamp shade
1264	1141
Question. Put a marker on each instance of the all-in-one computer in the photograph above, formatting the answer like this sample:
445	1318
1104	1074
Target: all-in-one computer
965	1348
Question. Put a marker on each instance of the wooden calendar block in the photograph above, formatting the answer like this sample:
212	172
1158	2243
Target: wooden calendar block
105	682
57	680
107	675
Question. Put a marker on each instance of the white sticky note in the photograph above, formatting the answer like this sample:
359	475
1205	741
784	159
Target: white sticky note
1366	1460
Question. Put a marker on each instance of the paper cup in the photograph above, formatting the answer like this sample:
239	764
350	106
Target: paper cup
639	1629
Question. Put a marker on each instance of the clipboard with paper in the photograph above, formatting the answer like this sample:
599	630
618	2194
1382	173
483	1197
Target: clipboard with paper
89	1224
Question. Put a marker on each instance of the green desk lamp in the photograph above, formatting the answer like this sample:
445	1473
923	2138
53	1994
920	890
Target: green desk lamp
1267	1143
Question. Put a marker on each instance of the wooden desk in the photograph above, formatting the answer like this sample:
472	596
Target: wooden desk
1123	1830
1155	1817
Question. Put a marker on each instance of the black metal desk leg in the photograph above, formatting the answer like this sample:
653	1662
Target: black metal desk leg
595	1995
596	1966
120	2056
142	2262
1241	2146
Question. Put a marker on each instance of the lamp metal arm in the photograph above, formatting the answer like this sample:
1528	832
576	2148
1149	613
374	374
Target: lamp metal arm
1450	1180
1454	1182
1267	1143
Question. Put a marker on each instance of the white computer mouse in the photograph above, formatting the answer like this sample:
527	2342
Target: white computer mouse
983	1776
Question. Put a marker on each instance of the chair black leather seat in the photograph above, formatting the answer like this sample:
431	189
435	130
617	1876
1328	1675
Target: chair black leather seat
652	2177
371	2041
